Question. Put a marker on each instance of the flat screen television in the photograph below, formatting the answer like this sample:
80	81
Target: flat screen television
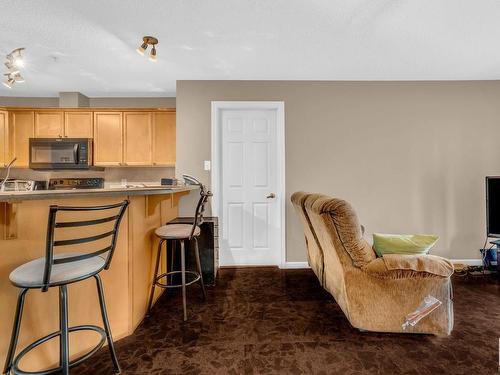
493	206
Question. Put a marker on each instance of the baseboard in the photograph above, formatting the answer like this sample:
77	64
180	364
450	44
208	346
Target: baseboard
468	262
298	265
295	265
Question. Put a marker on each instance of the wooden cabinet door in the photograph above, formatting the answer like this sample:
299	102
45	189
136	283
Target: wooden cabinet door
4	138
78	125
137	137
164	138
108	138
48	124
21	129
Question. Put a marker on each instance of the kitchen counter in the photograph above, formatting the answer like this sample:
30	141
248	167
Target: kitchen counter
16	196
127	284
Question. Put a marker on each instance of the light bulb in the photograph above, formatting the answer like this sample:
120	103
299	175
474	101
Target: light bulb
19	62
18	78
152	55
142	48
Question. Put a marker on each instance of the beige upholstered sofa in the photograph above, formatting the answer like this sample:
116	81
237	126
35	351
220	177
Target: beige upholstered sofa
374	293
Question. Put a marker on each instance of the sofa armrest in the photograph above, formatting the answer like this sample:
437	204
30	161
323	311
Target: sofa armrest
397	266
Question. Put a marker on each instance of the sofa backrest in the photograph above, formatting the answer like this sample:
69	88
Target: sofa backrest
337	227
314	251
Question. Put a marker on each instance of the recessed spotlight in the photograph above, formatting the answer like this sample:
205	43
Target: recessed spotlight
148	41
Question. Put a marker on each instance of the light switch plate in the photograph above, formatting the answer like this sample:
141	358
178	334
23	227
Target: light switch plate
206	165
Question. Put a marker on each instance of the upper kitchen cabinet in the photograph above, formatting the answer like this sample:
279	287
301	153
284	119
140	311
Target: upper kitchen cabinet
78	124
164	138
49	124
108	138
21	129
4	138
137	138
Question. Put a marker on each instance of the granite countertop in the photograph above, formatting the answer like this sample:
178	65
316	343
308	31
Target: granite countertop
12	196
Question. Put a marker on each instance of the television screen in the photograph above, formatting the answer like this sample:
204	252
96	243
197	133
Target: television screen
493	206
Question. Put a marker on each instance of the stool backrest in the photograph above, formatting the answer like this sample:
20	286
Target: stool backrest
66	233
200	207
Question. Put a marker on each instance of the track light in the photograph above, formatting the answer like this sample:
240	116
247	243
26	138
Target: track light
18	78
17	57
148	41
142	49
9	82
11	68
152	55
14	62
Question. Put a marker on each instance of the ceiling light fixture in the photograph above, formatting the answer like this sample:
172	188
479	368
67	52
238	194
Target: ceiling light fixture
16	57
9	81
146	42
152	55
12	69
18	78
14	62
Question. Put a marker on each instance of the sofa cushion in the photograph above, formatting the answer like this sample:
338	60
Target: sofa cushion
403	243
398	266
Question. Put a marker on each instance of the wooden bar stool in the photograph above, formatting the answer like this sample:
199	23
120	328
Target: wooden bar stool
172	234
59	270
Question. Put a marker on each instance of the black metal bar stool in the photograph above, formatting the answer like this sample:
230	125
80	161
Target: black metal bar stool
171	234
59	270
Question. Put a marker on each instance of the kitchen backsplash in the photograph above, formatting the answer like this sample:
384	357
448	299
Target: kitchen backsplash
131	174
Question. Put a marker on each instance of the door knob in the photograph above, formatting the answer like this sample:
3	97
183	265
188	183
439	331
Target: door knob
272	195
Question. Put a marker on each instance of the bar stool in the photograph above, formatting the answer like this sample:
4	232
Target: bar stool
171	234
59	270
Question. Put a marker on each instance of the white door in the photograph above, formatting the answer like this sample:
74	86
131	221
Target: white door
250	200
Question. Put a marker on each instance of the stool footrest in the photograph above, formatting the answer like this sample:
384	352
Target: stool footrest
15	367
196	275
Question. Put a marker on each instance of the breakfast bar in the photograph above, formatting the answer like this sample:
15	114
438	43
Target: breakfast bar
23	227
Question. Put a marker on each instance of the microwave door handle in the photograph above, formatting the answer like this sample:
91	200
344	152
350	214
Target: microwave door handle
75	152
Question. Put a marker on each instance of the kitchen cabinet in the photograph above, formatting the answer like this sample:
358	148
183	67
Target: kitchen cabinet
164	138
137	138
4	138
21	129
108	138
78	124
49	124
121	137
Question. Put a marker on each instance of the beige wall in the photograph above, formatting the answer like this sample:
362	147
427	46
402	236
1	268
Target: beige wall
133	102
410	156
119	102
17	101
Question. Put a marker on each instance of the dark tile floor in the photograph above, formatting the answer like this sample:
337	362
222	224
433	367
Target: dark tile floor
271	321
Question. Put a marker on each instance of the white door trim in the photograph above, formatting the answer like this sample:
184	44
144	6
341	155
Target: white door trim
217	107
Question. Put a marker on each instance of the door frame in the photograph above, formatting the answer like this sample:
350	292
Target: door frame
279	107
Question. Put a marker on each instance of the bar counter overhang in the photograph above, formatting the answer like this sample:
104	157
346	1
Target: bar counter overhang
23	226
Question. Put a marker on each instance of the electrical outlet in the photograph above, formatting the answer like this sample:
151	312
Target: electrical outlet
206	165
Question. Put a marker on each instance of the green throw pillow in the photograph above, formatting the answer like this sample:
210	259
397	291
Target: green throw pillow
403	243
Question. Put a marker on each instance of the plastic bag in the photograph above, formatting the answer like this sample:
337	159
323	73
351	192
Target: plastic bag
428	305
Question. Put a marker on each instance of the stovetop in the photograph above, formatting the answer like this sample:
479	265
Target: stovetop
76	183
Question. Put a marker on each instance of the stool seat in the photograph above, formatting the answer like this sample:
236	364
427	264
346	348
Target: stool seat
176	231
30	275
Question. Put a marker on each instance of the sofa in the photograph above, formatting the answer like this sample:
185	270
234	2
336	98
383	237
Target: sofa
375	293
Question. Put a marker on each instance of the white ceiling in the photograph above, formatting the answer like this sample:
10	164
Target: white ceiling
89	45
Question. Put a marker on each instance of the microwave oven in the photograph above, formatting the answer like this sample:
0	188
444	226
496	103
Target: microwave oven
60	153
